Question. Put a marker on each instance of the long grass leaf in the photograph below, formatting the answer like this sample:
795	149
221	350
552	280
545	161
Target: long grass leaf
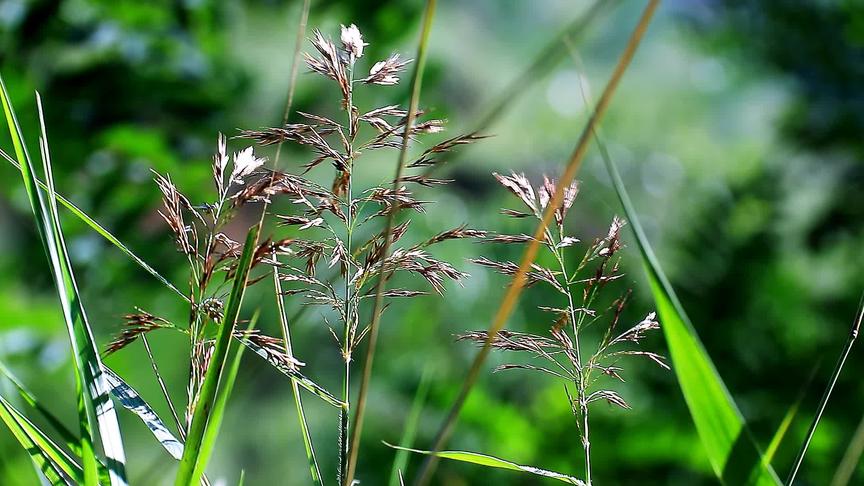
731	450
851	458
55	464
91	388
132	401
517	284
410	430
492	461
191	464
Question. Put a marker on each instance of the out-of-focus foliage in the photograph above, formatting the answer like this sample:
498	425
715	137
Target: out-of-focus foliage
737	132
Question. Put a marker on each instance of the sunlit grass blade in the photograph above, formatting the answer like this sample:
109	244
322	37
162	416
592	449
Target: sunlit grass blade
132	401
492	461
226	386
69	438
410	430
728	444
55	464
295	375
192	464
101	230
314	470
92	392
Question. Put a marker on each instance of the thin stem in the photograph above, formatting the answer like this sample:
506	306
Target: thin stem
586	443
853	334
180	427
298	43
416	84
518	282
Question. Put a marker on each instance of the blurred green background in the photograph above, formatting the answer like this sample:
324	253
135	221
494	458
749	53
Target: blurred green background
738	131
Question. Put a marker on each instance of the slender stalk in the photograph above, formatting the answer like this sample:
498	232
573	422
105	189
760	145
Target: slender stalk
853	335
416	87
298	43
518	282
180	429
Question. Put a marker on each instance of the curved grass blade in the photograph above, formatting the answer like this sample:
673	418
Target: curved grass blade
132	401
101	230
731	450
192	464
410	431
55	464
91	388
492	461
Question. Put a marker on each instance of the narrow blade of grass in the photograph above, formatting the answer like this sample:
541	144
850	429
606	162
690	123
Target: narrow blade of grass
314	470
492	461
93	400
378	306
517	284
132	401
51	460
731	450
192	464
410	430
101	230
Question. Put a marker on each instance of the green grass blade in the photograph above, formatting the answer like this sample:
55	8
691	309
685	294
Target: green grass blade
851	457
314	470
132	401
101	230
410	431
69	438
92	393
492	461
226	385
191	463
731	450
51	460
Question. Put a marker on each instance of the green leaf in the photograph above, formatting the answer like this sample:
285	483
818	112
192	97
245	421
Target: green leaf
132	401
57	466
193	463
92	390
731	450
491	461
